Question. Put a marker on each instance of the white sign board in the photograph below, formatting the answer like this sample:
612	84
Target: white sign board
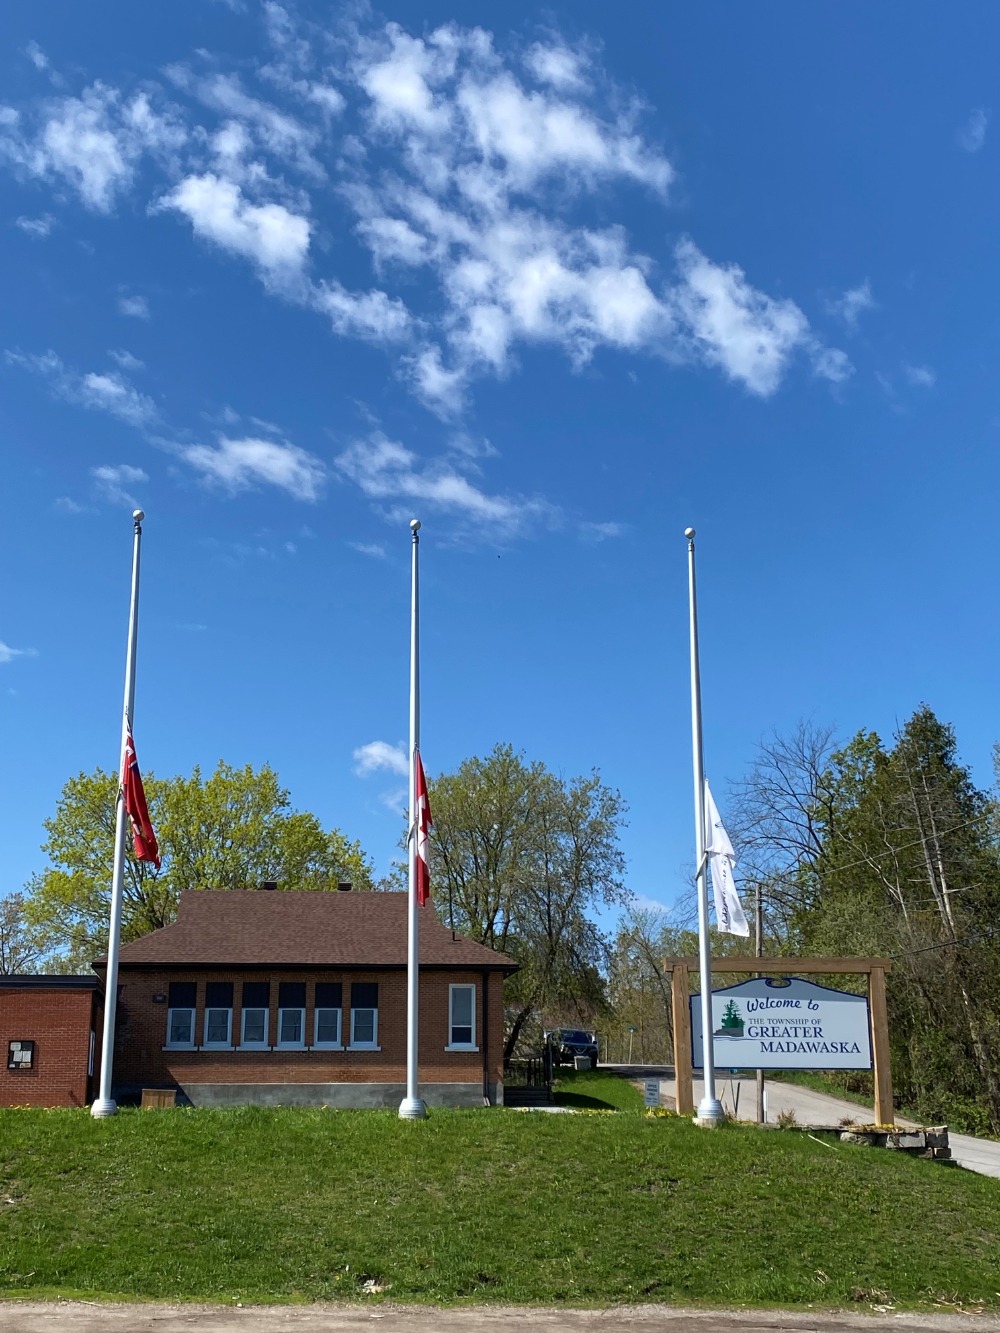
784	1023
651	1088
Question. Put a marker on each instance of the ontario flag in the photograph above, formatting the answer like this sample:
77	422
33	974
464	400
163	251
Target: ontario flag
421	826
143	837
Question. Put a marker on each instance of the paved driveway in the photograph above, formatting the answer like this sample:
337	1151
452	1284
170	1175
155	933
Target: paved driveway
739	1097
85	1317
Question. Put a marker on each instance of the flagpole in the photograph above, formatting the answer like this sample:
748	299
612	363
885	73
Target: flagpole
710	1112
412	1106
105	1104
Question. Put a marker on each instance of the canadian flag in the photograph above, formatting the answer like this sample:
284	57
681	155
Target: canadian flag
143	837
421	825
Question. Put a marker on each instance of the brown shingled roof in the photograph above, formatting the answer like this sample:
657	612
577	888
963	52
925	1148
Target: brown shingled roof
260	928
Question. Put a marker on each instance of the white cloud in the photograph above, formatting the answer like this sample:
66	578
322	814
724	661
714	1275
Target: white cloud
479	153
748	335
481	179
853	303
68	505
268	234
600	532
93	142
385	470
295	61
240	465
37	56
114	483
38	228
135	307
112	393
972	135
374	550
393	240
472	446
441	389
557	65
377	756
529	136
125	359
275	131
371	315
921	377
104	392
828	363
642	902
8	654
456	105
398	77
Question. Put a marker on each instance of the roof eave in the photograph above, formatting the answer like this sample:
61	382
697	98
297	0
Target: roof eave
218	965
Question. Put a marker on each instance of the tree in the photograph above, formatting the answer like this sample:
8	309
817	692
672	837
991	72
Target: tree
780	818
233	830
638	986
519	858
872	850
909	868
22	945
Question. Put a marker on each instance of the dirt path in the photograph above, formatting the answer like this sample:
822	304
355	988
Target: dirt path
85	1317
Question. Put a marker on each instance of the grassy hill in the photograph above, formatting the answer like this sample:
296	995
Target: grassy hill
299	1205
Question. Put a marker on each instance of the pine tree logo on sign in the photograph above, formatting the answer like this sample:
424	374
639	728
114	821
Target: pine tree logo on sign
732	1022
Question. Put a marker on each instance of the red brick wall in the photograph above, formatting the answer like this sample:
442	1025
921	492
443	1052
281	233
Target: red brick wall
142	1031
59	1022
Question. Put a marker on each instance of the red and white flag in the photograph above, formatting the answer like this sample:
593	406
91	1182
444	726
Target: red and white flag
143	837
421	824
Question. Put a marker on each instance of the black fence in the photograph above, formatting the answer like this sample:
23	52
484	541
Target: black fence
531	1071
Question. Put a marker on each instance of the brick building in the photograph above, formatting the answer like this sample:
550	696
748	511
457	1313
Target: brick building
49	1039
299	998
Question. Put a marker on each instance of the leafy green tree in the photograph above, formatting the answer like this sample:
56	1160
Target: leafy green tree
891	851
520	857
22	944
909	868
235	829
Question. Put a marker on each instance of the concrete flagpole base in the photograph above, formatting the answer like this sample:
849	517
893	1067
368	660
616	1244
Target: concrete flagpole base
412	1108
711	1113
103	1107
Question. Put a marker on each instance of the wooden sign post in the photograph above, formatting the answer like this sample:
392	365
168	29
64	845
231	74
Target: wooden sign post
875	969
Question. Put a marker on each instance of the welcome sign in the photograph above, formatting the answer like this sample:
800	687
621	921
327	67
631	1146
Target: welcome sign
778	1023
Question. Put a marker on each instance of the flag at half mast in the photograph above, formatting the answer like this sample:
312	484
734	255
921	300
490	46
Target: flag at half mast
422	823
729	913
143	837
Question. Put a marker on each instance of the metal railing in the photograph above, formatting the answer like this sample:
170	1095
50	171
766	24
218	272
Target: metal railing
532	1071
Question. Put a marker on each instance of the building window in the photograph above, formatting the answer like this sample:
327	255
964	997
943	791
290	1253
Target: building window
180	1014
218	1031
329	1005
462	1018
292	1013
256	1015
364	1016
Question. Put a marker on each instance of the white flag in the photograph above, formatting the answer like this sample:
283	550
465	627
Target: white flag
721	859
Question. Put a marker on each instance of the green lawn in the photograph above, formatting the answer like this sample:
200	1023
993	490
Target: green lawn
594	1090
299	1205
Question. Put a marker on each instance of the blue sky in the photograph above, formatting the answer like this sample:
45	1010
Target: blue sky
560	286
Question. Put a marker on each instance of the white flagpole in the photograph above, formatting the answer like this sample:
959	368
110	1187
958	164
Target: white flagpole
412	1106
710	1111
105	1104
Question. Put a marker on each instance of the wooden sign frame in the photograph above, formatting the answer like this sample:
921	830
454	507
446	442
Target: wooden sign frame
875	969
